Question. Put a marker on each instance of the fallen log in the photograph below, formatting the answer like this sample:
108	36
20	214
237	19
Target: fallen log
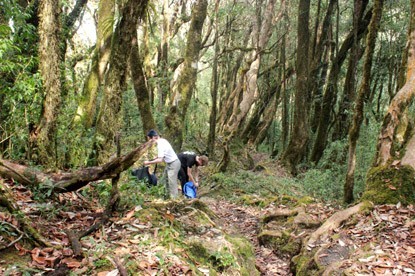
63	182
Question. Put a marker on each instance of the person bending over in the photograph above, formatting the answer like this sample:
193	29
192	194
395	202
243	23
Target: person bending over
189	167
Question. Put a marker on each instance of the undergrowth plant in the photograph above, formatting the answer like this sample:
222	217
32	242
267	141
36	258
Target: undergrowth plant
250	182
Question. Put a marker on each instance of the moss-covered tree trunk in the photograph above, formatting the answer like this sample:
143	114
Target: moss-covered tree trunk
87	105
214	87
186	82
330	93
43	135
318	59
285	108
364	90
70	181
109	119
246	91
297	146
342	124
391	178
140	87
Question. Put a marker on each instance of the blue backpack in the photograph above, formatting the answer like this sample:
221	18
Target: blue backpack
190	190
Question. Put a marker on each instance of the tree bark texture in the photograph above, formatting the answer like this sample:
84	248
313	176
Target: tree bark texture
364	89
70	181
320	46
87	106
214	87
109	121
330	91
343	122
140	87
247	90
396	134
391	177
297	146
186	82
44	134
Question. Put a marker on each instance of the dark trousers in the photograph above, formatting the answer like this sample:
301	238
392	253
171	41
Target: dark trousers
183	177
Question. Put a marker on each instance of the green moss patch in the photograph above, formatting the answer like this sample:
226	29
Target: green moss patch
390	185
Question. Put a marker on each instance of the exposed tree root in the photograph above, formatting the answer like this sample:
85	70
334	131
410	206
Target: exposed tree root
333	222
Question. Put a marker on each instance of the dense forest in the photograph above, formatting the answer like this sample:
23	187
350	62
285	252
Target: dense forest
305	109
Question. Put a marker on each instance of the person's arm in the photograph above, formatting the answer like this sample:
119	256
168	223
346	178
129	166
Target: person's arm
195	178
154	161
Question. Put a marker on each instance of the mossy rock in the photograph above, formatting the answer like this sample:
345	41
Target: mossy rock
273	238
228	255
244	253
291	248
306	200
304	264
252	200
390	185
149	214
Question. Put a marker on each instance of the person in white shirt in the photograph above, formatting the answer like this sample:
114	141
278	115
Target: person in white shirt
166	153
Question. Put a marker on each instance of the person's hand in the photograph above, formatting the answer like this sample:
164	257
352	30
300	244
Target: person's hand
146	163
197	184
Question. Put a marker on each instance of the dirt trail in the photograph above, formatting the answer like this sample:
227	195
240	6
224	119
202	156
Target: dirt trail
244	220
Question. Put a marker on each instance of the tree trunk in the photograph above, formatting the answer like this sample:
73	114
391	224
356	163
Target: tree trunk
163	58
317	64
390	180
297	146
330	91
214	88
43	136
364	89
247	90
140	87
109	120
87	106
285	100
187	79
264	113
343	122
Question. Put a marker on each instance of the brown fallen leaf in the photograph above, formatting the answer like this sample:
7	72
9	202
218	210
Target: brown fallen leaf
71	262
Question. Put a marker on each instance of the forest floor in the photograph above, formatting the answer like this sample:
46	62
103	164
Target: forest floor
148	239
245	220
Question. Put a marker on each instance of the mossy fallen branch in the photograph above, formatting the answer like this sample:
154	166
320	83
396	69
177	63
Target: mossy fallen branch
71	181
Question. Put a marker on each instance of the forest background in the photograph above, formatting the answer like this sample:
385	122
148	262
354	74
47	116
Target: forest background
284	78
324	88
